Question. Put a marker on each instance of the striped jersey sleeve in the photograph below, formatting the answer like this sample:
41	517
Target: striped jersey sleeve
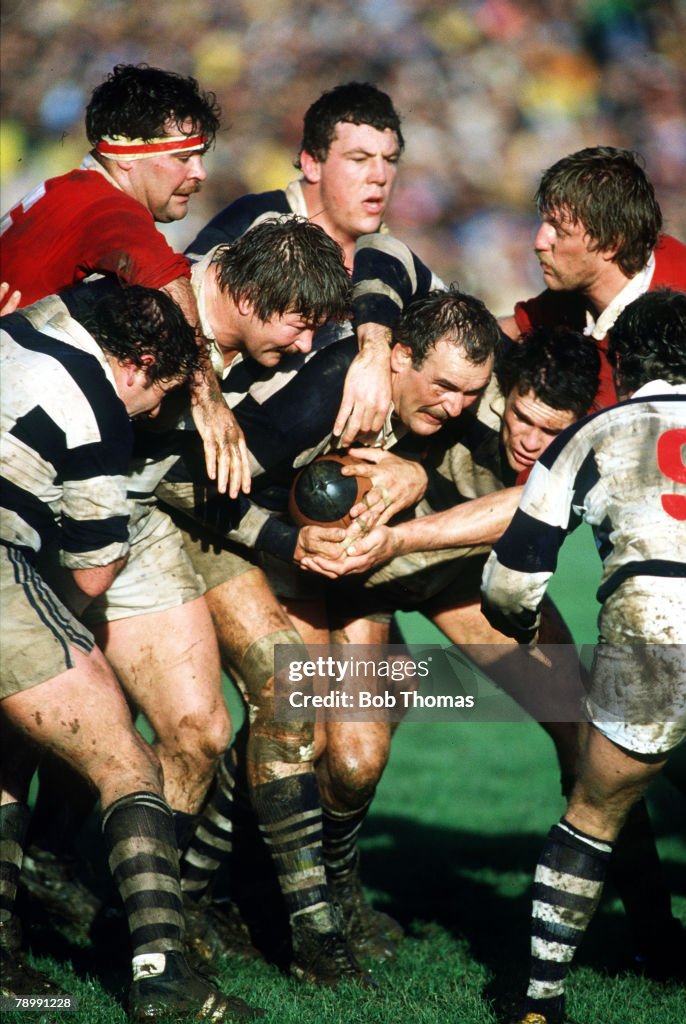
66	443
386	277
620	470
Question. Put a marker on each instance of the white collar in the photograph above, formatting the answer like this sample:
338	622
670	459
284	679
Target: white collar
89	163
199	269
636	286
659	387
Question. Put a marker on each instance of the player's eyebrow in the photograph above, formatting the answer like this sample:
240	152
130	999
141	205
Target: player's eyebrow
527	419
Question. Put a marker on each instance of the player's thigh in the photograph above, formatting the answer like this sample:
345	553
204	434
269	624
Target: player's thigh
81	716
168	663
244	609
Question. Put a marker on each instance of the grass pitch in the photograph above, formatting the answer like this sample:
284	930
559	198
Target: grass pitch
449	849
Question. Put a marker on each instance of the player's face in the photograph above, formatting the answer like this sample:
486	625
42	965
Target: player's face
567	261
268	341
529	426
444	385
142	397
165	183
355	181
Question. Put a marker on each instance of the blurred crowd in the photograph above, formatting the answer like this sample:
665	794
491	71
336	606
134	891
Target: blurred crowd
491	92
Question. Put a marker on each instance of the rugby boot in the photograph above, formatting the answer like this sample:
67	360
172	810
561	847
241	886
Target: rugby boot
371	934
552	1013
540	1018
17	978
52	883
181	994
321	953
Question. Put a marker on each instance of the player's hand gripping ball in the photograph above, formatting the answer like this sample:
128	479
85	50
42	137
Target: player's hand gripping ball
321	496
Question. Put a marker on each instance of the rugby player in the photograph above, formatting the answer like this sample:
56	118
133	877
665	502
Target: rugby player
633	496
66	450
260	298
435	558
149	130
599	245
440	363
351	145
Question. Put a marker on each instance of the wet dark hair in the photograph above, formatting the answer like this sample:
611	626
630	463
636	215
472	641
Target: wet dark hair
558	364
463	318
647	341
137	101
287	265
134	322
354	102
607	191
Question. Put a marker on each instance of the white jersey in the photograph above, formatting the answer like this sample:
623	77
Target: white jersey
623	472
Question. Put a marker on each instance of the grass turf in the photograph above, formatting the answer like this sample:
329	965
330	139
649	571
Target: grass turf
449	849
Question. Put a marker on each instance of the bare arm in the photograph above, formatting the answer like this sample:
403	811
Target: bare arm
480	521
226	454
367	391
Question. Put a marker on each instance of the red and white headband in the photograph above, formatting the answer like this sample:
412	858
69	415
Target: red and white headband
119	147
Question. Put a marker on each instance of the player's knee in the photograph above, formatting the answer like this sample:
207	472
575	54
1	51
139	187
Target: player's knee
354	774
201	734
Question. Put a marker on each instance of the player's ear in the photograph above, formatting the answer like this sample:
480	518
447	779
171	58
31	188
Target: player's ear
401	357
244	306
311	168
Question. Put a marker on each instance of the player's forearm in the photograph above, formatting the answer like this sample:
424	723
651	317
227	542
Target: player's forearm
480	521
204	384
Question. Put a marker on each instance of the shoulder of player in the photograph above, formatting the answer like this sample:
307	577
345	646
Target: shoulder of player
62	345
670	263
577	442
236	218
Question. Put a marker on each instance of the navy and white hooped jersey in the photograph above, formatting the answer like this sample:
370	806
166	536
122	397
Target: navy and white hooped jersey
241	215
66	444
621	470
387	276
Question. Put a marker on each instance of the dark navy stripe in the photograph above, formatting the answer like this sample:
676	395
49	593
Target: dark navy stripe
84	369
278	538
37	431
31	510
587	477
554	931
548	970
108	457
376	264
235	219
539	554
651	567
560	899
79	535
